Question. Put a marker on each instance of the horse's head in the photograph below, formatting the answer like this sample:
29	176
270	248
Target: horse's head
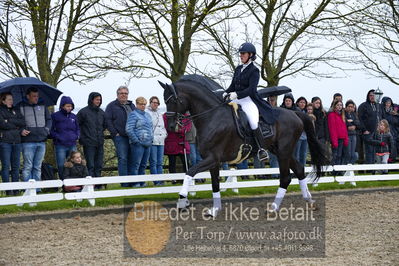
176	105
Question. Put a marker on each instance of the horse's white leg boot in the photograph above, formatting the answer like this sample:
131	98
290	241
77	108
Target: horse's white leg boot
278	199
217	205
305	191
184	202
186	183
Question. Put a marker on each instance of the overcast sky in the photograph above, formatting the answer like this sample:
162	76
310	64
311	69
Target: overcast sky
353	87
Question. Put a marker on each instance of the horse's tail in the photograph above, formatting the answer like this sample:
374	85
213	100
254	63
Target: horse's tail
318	151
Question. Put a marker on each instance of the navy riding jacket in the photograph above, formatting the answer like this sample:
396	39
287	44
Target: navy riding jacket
245	84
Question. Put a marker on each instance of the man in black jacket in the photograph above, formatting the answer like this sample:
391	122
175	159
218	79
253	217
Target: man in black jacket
369	115
116	115
92	124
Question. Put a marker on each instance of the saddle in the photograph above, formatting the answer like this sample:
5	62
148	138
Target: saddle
246	133
242	124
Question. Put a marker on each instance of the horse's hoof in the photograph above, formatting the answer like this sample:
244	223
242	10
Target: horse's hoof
312	206
183	203
272	208
212	212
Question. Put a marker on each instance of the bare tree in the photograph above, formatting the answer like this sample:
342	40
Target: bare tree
372	32
158	37
220	44
52	40
294	37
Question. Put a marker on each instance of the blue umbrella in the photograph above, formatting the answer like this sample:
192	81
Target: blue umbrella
18	86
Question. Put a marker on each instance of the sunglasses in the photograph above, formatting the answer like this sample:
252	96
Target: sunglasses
155	102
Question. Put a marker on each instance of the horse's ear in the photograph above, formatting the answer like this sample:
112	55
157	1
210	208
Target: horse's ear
163	85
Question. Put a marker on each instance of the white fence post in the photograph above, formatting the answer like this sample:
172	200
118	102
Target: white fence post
192	183
29	192
231	179
88	189
351	173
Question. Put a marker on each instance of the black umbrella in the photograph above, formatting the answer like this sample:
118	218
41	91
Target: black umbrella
18	86
273	91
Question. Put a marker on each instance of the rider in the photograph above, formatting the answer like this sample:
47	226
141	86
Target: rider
243	90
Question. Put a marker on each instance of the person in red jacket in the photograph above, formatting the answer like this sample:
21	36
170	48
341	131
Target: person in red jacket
338	132
176	145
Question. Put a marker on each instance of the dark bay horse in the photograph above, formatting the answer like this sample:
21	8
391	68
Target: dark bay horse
218	140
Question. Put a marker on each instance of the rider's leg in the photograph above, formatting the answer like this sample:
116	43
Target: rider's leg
262	153
252	112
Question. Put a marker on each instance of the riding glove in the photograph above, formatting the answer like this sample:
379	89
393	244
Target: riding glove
233	96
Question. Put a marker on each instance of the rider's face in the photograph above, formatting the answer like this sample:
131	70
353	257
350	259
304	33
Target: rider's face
244	57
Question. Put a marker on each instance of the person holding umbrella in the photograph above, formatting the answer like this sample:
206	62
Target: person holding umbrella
35	133
11	124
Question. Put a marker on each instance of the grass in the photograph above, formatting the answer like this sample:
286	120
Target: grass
72	204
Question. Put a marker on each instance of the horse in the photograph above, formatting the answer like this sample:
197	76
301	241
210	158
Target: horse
219	141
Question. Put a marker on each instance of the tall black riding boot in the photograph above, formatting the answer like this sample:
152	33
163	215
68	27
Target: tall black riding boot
262	153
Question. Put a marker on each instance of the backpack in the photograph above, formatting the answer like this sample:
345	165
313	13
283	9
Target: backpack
48	173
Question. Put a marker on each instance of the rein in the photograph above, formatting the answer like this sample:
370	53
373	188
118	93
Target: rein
191	118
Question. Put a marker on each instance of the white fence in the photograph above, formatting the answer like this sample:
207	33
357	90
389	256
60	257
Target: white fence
30	196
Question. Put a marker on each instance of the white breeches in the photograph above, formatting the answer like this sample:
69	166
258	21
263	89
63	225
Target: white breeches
251	110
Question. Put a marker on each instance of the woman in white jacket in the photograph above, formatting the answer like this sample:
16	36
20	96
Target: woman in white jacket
157	148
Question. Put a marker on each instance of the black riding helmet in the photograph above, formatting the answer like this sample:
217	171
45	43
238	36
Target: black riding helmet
248	47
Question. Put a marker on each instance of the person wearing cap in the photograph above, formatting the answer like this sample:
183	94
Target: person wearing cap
64	132
243	91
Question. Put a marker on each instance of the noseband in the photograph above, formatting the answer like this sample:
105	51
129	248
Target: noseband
177	116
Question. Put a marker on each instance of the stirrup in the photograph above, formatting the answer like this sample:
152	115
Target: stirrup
265	156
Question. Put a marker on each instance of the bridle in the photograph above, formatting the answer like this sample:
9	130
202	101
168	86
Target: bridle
180	117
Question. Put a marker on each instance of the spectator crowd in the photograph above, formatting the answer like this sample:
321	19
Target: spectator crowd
367	133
